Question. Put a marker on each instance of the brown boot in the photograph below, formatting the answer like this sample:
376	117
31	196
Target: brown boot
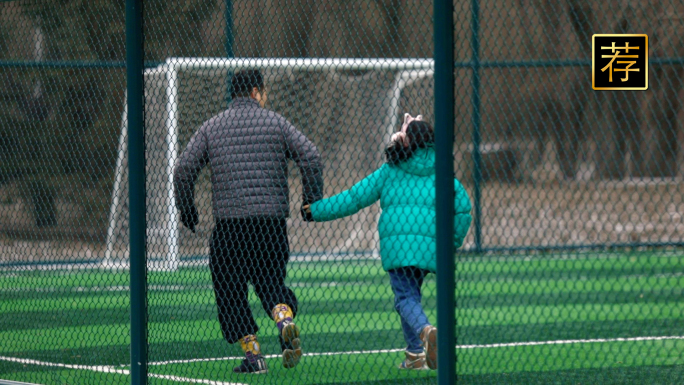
413	361
429	338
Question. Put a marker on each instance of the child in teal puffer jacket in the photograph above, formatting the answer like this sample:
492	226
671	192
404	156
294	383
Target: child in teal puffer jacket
405	186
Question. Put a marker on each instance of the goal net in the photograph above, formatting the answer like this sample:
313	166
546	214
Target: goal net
347	107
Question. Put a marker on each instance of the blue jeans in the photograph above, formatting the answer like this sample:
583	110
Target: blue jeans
406	283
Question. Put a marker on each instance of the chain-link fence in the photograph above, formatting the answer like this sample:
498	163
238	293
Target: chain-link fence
568	201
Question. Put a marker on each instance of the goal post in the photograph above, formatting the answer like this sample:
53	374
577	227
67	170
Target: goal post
163	219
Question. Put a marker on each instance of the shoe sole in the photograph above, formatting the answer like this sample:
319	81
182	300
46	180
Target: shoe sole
431	349
258	372
402	367
263	371
291	357
290	333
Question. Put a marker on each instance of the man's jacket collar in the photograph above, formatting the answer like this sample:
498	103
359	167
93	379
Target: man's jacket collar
244	102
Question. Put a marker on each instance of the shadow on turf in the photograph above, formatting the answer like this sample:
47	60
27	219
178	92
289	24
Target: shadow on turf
411	381
651	375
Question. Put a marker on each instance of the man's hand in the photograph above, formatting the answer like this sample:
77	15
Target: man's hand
306	213
190	218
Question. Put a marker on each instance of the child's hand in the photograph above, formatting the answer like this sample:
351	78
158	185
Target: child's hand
307	209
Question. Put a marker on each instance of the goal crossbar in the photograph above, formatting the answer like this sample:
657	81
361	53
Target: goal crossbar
313	64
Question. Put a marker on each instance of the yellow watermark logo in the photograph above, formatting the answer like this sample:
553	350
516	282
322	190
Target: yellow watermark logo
619	62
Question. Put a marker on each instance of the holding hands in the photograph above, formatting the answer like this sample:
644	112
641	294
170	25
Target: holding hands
306	213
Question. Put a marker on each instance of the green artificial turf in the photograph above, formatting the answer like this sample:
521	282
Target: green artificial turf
520	319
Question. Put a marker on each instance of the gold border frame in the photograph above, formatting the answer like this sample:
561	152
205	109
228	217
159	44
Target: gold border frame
593	41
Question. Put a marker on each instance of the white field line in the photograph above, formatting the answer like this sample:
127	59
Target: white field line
190	380
28	361
110	369
162	288
570	342
487	346
353	352
175	288
115	288
158	265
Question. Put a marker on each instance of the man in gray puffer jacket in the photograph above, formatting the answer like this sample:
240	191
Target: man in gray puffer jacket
248	148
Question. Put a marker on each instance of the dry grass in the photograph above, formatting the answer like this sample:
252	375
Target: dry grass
581	213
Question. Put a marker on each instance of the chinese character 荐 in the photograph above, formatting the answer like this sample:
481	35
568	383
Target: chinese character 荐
616	55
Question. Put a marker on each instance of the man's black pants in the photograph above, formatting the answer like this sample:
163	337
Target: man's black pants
243	251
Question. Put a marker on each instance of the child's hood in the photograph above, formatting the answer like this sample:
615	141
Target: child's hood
421	163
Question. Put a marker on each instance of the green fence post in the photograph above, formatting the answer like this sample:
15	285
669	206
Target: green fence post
477	158
230	38
229	28
136	173
444	146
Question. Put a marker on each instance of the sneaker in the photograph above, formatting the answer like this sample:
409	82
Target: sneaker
413	361
429	338
292	354
289	331
258	366
289	335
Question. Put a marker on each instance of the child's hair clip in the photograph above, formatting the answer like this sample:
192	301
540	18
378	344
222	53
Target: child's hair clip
401	135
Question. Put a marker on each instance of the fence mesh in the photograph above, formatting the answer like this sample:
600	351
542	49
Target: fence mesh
571	271
62	80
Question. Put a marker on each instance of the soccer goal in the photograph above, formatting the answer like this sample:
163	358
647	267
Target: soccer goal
330	100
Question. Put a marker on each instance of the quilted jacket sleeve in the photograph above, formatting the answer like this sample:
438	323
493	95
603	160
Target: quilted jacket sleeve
363	194
187	169
306	156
